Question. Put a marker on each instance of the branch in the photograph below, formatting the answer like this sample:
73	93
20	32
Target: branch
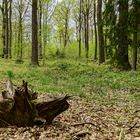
132	127
90	123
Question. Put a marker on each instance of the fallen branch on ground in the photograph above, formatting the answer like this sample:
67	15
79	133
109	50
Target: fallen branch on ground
84	123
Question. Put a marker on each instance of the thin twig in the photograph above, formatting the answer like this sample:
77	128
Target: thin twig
132	127
90	123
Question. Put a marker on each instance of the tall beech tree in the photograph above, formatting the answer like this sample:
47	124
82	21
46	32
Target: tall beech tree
40	13
86	8
136	5
77	16
6	9
34	58
95	29
80	26
66	6
6	29
10	29
21	7
61	19
100	32
2	7
122	32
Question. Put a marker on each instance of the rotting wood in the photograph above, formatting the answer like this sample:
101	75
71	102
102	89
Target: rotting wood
21	107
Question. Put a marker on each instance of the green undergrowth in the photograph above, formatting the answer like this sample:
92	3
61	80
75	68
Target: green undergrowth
78	78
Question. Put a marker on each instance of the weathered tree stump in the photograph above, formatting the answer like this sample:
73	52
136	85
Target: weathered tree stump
20	107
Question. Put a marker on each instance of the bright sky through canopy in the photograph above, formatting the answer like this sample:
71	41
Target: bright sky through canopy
59	0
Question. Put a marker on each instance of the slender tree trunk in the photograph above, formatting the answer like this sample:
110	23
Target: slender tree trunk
100	33
3	27
95	31
19	54
66	31
77	31
44	51
92	33
15	39
87	34
135	35
85	31
122	53
60	38
34	58
105	43
40	29
21	42
18	41
7	30
80	27
3	36
10	29
86	27
45	35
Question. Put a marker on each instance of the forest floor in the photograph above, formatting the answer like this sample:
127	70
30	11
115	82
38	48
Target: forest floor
105	102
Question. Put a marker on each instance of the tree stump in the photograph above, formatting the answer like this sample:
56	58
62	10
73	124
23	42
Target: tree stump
20	107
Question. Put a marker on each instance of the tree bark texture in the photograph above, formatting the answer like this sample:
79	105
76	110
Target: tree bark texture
34	58
136	4
95	31
20	107
6	30
100	33
122	52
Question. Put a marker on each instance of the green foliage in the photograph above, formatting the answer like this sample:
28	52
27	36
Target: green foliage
60	54
99	83
10	74
19	61
63	66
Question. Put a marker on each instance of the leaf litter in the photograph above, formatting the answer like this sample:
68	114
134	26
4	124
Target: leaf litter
85	120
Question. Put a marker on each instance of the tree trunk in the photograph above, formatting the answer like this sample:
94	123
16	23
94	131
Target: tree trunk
34	58
21	107
122	52
6	30
112	38
21	41
87	33
95	31
3	27
15	39
10	29
66	31
100	33
20	37
80	27
40	29
45	34
60	38
135	34
86	27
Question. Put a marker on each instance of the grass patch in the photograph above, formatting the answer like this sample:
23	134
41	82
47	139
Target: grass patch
75	77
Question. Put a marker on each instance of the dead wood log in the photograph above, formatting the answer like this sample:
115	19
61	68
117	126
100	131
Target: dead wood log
20	107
